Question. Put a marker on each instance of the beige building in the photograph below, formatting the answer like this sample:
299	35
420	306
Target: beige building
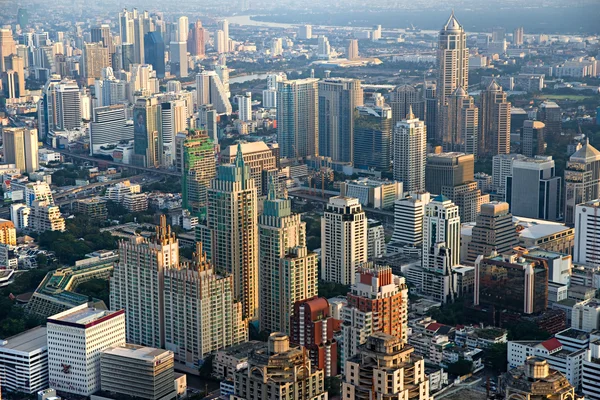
385	368
45	217
8	233
95	58
257	156
410	152
494	122
280	372
494	231
535	381
21	148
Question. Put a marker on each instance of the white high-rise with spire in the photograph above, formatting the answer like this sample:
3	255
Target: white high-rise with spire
410	152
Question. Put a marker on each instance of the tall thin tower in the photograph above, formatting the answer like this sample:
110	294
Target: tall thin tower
410	152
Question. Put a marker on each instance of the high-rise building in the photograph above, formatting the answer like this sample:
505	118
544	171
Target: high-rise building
403	99
313	328
174	120
586	315
154	48
258	157
343	240
591	373
201	315
551	115
587	233
287	270
353	50
232	230
305	32
502	168
197	40
137	284
373	137
147	128
494	231
219	40
183	26
448	169
453	69
408	219
385	368
21	148
377	302
494	122
7	47
210	90
431	111
66	106
178	58
244	102
223	25
195	159
276	47
24	361
323	48
298	117
460	118
338	98
22	18
441	224
76	339
95	58
410	152
102	34
286	374
542	203
109	127
582	180
13	80
518	36
532	138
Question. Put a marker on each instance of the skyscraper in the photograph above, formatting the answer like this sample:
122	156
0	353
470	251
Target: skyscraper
232	227
210	90
14	76
147	126
373	137
22	18
403	99
178	57
197	40
461	123
408	219
195	159
353	50
582	180
448	169
154	48
108	127
219	40
174	120
7	47
137	284
343	240
298	118
494	231
245	106
95	58
494	122
223	25
410	147
67	105
587	233
21	148
288	271
338	97
551	115
431	111
518	36
441	224
532	138
453	70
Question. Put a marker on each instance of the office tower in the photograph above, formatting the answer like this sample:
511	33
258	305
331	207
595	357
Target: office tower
298	118
244	102
65	109
210	90
127	30
201	315
223	25
207	120
498	34
219	40
13	80
409	152
448	169
128	55
102	34
183	25
431	111
373	137
540	174
587	233
305	32
376	33
338	98
137	371
197	40
402	99
257	156
453	70
24	359
461	122
343	240
140	27
22	18
287	270
502	168
441	224
174	120
223	72
494	122
276	47
109	127
494	231
582	180
178	56
385	367
551	115
323	48
137	283
353	50
7	47
312	327
10	84
408	219
518	36
154	48
76	339
95	58
147	127
233	226
586	315
377	302
195	159
21	148
287	373
512	283
109	90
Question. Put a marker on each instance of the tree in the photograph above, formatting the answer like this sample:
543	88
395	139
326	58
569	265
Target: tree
42	260
496	356
525	330
333	385
461	367
96	288
207	368
332	289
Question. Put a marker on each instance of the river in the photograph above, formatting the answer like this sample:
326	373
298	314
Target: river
247	78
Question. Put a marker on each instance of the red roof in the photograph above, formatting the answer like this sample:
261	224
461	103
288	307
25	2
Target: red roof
551	344
434	326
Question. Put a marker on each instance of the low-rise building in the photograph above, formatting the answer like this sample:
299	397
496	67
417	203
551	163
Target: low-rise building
135	202
591	371
24	361
232	359
94	208
479	338
586	315
372	192
8	232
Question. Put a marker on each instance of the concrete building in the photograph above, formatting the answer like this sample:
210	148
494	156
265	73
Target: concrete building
135	202
44	216
298	117
501	169
373	137
375	239
8	233
244	103
550	114
147	132
587	233
76	339
410	152
533	137
372	192
282	371
406	100
441	224
385	367
108	127
352	53
547	235
210	89
591	371
94	208
137	371
448	169
408	219
21	148
287	270
494	122
536	381
258	157
586	315
494	231
343	240
117	192
582	180
24	361
460	119
95	58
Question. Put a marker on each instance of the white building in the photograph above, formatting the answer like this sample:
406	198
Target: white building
19	215
410	152
117	192
373	193
24	361
591	371
245	106
587	233
441	224
586	315
375	239
343	240
408	219
501	168
76	339
210	89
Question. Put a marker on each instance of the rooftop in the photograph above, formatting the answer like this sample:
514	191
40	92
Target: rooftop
138	352
253	147
27	341
83	316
